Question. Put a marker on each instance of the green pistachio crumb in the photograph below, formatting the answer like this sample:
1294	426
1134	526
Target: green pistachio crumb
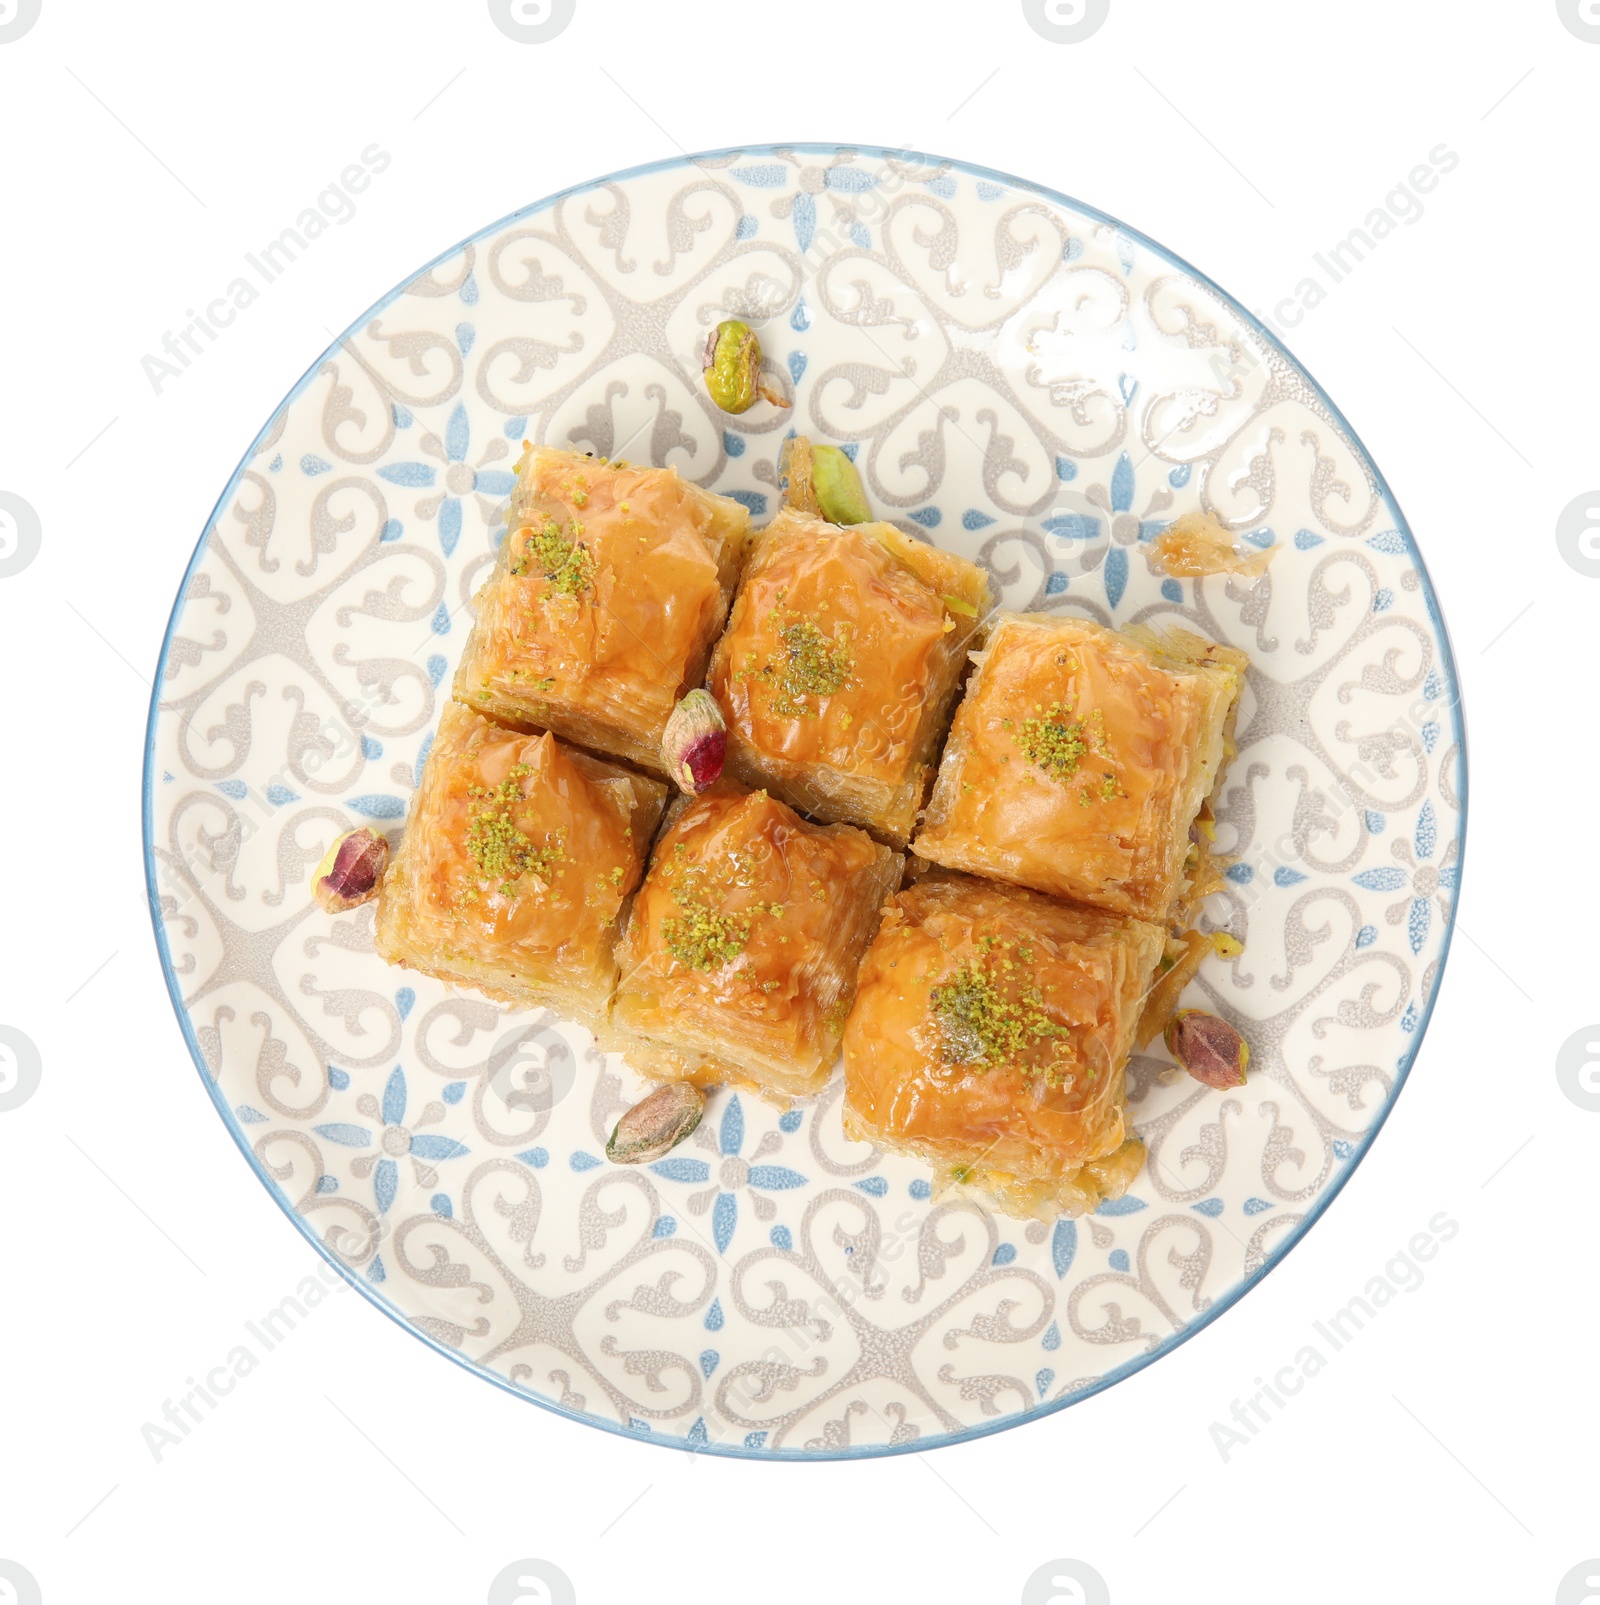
810	667
1056	743
985	1019
500	850
1053	742
560	555
702	937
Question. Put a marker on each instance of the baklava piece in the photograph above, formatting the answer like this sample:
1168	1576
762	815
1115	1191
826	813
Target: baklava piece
519	859
739	959
842	656
609	591
1082	760
990	1034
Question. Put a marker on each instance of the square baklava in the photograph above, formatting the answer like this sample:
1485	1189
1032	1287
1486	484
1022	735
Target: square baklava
739	958
1081	762
990	1034
843	653
608	593
519	859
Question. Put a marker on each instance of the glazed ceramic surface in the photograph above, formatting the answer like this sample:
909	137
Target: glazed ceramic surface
1021	379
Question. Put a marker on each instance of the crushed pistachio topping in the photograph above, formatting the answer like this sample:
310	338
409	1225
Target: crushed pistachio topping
502	852
1057	743
607	884
989	1012
810	666
702	937
1054	741
560	555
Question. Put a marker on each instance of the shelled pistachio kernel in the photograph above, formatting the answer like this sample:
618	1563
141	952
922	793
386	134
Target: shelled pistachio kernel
732	366
348	876
695	742
656	1124
837	486
1208	1048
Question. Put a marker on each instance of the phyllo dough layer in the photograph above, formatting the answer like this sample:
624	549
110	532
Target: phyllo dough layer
842	655
1079	759
519	858
739	958
989	1035
609	590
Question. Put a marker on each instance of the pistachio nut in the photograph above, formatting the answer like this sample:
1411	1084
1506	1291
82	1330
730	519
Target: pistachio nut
1208	1048
838	486
656	1124
348	876
732	367
695	742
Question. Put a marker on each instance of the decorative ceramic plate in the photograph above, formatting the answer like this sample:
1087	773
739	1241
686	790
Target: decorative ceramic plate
1023	380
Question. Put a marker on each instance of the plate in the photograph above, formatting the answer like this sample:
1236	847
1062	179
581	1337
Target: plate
1024	380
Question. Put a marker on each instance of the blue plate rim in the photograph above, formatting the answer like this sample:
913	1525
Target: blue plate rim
1447	666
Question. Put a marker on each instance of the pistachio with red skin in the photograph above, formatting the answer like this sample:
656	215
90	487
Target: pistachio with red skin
349	875
656	1124
1207	1047
732	366
695	742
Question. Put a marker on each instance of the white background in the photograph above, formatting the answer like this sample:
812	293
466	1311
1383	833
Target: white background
1445	1453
